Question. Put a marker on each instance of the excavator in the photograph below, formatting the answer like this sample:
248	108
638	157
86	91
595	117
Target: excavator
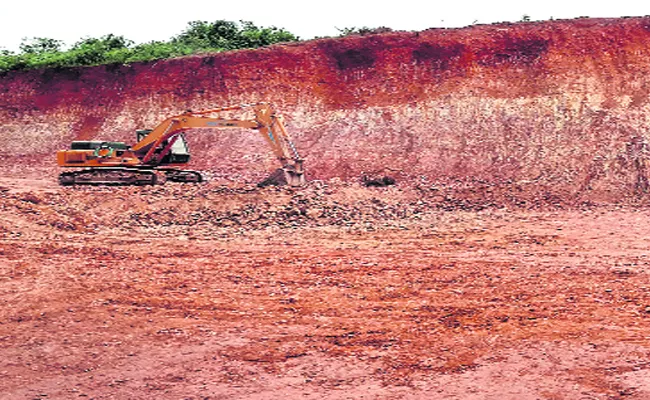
160	152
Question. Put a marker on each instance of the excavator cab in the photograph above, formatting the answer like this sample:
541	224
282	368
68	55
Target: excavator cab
179	152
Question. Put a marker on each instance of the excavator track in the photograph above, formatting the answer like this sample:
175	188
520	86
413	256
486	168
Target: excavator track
108	176
184	176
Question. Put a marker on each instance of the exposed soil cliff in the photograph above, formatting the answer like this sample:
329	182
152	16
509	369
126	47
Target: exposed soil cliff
428	289
557	107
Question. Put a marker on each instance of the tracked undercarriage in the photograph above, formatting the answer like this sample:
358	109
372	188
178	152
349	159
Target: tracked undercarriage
127	176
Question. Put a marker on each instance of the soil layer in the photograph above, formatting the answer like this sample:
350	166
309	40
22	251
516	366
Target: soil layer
563	104
332	291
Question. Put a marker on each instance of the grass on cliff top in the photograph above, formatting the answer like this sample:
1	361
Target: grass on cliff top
198	37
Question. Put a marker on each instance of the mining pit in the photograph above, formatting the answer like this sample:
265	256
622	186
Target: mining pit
505	257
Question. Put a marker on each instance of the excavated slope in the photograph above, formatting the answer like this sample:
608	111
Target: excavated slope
558	107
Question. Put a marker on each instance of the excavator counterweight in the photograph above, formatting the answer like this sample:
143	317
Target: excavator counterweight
164	149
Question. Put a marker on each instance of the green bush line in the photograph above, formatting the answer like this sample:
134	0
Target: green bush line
198	37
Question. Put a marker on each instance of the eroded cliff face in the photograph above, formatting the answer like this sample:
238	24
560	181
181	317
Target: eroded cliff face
559	107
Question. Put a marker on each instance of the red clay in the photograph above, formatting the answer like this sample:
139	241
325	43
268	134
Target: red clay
562	104
216	292
510	261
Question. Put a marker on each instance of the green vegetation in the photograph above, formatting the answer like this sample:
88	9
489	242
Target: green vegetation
198	37
362	31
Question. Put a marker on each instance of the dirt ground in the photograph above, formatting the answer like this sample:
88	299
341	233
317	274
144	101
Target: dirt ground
335	291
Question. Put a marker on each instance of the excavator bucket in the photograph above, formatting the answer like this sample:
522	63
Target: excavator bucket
293	177
282	177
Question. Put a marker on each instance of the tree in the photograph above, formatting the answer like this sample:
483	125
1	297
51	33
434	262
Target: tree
362	31
205	35
106	49
252	37
106	42
113	49
228	35
39	45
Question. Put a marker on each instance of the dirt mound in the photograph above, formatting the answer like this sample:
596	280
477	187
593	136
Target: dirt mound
211	210
561	103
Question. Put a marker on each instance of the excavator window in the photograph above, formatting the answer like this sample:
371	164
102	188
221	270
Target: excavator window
141	134
180	146
179	153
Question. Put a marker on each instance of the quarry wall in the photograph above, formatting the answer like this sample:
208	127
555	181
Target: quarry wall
557	106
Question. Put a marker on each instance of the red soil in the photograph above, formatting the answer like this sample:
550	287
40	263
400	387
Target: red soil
563	103
509	262
333	291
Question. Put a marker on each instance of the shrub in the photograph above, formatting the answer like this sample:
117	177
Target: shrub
200	36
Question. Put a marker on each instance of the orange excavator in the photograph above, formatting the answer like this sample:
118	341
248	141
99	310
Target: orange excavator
160	152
